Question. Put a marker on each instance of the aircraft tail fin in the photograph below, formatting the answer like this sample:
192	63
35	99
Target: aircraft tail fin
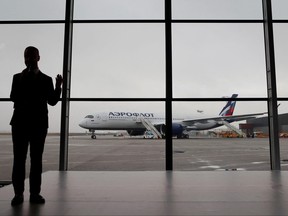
228	109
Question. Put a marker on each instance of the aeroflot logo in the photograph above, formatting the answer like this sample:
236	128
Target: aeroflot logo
129	114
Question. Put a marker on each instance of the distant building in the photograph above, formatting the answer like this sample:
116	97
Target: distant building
261	124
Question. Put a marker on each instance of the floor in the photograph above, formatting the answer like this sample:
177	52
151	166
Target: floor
156	193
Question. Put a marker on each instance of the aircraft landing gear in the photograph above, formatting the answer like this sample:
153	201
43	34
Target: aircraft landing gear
93	136
183	136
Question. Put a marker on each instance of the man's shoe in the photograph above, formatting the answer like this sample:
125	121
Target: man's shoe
36	199
17	200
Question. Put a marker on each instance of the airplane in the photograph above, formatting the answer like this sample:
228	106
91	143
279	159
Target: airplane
136	123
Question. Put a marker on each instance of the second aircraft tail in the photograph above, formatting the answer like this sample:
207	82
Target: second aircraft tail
228	109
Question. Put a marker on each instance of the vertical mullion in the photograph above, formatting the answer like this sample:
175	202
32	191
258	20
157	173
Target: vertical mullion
271	86
168	101
67	58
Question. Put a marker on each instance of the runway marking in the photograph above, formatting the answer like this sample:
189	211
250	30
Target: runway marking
260	162
212	167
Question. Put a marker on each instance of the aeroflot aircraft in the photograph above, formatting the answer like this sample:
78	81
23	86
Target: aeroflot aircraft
136	123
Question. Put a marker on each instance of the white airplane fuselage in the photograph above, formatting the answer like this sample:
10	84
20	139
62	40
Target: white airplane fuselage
137	122
132	120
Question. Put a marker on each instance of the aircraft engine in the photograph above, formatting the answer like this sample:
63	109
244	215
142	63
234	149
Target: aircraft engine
177	129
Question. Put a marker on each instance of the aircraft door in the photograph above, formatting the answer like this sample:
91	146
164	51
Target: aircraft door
97	119
104	117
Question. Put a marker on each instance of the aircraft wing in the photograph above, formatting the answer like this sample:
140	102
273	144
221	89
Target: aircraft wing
224	118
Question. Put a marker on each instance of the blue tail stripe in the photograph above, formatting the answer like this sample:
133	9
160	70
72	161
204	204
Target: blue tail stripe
228	109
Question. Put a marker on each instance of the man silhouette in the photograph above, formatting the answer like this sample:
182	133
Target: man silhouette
31	91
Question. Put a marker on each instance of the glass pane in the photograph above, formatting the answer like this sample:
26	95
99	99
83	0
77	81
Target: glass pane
50	155
15	38
120	141
281	55
217	145
51	151
119	9
6	114
118	60
217	9
6	157
283	130
213	60
6	150
32	10
52	143
279	9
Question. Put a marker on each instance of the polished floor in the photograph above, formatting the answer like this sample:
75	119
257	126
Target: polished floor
156	193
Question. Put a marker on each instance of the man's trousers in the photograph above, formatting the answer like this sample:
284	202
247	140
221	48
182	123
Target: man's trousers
22	139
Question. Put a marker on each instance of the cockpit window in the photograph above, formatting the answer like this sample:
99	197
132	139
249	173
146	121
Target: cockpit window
89	116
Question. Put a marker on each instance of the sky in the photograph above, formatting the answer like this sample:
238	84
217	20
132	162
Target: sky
128	60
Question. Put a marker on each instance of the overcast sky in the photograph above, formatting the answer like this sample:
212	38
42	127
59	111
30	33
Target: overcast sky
128	60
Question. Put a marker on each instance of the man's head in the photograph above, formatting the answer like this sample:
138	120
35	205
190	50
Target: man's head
31	57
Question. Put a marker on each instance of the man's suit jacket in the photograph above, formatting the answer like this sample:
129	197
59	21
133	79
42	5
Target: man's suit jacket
31	93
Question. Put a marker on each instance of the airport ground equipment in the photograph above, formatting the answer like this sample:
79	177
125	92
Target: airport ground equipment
149	126
227	124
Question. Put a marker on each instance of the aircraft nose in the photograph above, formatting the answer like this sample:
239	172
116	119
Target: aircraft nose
83	123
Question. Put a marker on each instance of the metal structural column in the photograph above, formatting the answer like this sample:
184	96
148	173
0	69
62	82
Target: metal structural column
271	86
67	58
168	101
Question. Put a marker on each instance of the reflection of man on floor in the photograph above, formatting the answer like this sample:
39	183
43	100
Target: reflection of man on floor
31	91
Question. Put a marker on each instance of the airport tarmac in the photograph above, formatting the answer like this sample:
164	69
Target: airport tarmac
108	153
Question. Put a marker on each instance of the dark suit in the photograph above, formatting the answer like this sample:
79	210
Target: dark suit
30	93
